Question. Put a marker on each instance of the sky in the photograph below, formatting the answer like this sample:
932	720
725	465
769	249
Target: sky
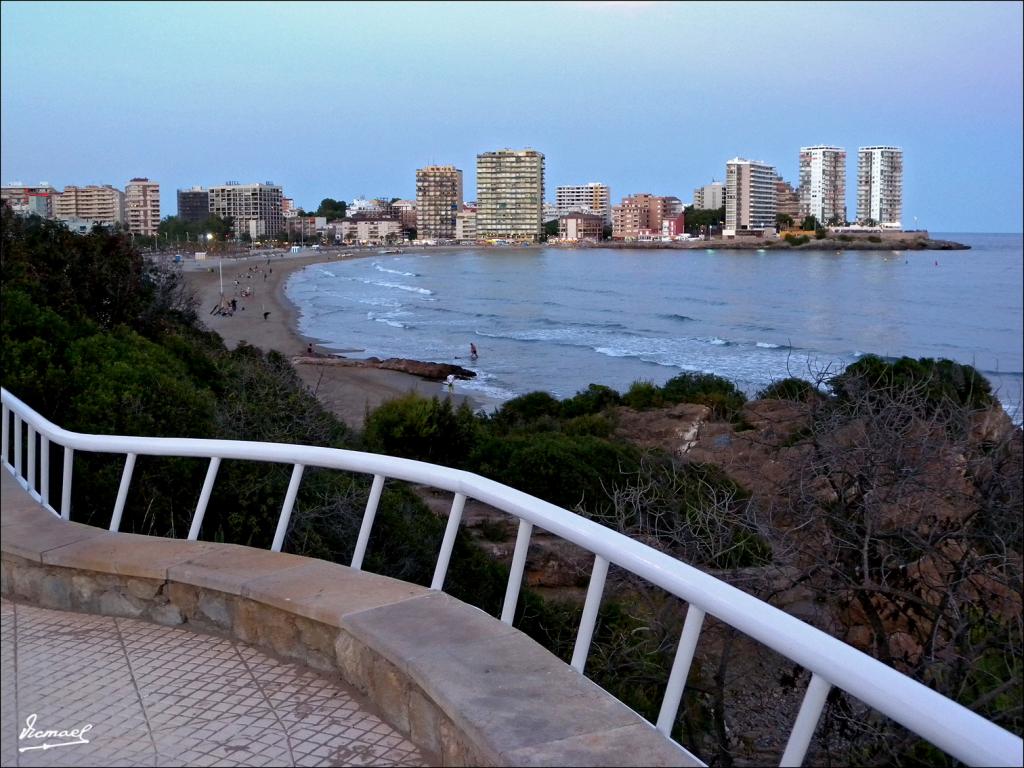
349	99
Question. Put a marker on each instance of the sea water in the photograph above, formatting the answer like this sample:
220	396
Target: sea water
559	319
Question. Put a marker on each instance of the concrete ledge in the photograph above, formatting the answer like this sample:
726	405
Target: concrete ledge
456	681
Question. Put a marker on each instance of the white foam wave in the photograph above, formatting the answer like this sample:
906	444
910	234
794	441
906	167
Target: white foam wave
381	268
768	345
399	287
385	319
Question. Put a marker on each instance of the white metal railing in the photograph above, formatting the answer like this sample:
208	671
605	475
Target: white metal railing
963	734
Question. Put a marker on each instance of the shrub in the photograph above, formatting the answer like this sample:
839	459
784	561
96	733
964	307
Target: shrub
790	388
797	239
593	399
643	395
719	394
428	430
874	239
525	410
594	424
845	238
565	470
938	381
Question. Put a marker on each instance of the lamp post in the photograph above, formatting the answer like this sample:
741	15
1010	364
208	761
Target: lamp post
220	265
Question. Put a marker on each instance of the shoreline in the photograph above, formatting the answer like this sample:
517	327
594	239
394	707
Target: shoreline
347	387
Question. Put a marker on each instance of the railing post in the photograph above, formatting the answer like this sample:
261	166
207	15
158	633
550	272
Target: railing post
31	458
515	576
680	669
204	498
589	618
286	510
368	516
806	721
6	430
17	447
44	470
448	543
65	488
122	492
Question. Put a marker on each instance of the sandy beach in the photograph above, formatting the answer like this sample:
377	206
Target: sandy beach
348	390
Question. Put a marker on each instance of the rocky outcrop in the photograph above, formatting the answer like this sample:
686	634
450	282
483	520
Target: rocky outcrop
425	370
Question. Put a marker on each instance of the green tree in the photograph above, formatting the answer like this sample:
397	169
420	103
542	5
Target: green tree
332	209
809	222
783	220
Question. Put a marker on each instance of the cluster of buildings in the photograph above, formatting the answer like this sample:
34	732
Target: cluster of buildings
509	205
755	195
136	208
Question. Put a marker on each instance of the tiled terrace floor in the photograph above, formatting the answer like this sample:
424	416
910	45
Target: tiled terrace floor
156	695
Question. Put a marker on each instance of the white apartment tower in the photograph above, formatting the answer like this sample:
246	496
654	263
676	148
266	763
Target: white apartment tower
749	195
438	200
823	184
585	198
510	194
880	186
709	197
142	206
256	208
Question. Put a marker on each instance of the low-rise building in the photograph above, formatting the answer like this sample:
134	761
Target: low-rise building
580	226
27	200
673	227
308	227
465	226
636	214
367	230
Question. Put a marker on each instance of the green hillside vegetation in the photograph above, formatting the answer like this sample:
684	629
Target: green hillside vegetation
99	341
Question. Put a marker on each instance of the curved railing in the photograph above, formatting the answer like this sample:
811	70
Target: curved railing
946	724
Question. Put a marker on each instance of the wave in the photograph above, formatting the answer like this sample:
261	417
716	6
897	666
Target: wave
381	268
681	318
397	286
769	345
327	272
716	342
386	320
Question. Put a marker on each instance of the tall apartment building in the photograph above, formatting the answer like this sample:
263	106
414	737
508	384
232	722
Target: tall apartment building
142	206
638	215
709	197
880	186
255	208
749	195
438	200
823	184
510	194
26	200
194	204
787	200
103	205
585	198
